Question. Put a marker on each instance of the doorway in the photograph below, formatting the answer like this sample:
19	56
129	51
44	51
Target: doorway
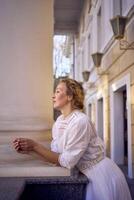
120	127
121	138
125	131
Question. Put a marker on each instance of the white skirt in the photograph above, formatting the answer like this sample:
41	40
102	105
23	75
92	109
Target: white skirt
106	182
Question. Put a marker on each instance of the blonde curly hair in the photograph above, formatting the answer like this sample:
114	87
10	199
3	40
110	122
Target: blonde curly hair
75	90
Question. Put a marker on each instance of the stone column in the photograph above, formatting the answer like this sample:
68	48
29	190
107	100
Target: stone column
26	84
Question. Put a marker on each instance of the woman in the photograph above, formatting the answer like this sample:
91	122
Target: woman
75	143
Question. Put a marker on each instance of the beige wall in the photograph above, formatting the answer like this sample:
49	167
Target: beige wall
26	32
26	77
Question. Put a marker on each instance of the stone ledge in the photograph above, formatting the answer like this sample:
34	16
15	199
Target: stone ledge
37	171
57	188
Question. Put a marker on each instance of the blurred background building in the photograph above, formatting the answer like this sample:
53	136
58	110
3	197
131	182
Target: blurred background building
103	59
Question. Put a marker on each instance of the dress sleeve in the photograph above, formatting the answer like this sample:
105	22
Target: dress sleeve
76	142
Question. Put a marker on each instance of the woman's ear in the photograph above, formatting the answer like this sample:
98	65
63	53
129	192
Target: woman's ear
70	97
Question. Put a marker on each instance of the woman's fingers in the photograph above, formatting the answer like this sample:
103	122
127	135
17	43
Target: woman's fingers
24	144
22	151
16	145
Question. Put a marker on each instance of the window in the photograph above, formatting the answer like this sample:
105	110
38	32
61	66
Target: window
89	51
90	111
121	7
99	26
100	118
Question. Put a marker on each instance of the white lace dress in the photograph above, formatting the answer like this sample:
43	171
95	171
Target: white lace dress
75	139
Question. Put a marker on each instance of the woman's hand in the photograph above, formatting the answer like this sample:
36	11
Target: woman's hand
24	145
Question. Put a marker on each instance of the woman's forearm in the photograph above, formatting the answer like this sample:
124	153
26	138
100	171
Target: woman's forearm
24	145
47	154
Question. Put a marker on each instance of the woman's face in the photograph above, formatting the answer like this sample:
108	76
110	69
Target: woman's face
60	98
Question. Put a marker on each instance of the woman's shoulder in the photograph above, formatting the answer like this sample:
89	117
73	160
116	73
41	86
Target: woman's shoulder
80	117
76	117
81	114
59	118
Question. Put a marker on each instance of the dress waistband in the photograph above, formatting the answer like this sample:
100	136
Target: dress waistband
89	164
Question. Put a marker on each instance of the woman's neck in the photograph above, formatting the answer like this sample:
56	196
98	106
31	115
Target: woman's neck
66	112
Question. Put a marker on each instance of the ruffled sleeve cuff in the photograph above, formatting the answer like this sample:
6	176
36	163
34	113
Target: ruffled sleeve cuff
63	162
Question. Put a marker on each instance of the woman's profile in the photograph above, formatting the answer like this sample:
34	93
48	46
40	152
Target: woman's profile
76	143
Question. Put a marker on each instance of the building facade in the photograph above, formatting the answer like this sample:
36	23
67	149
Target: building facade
109	91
